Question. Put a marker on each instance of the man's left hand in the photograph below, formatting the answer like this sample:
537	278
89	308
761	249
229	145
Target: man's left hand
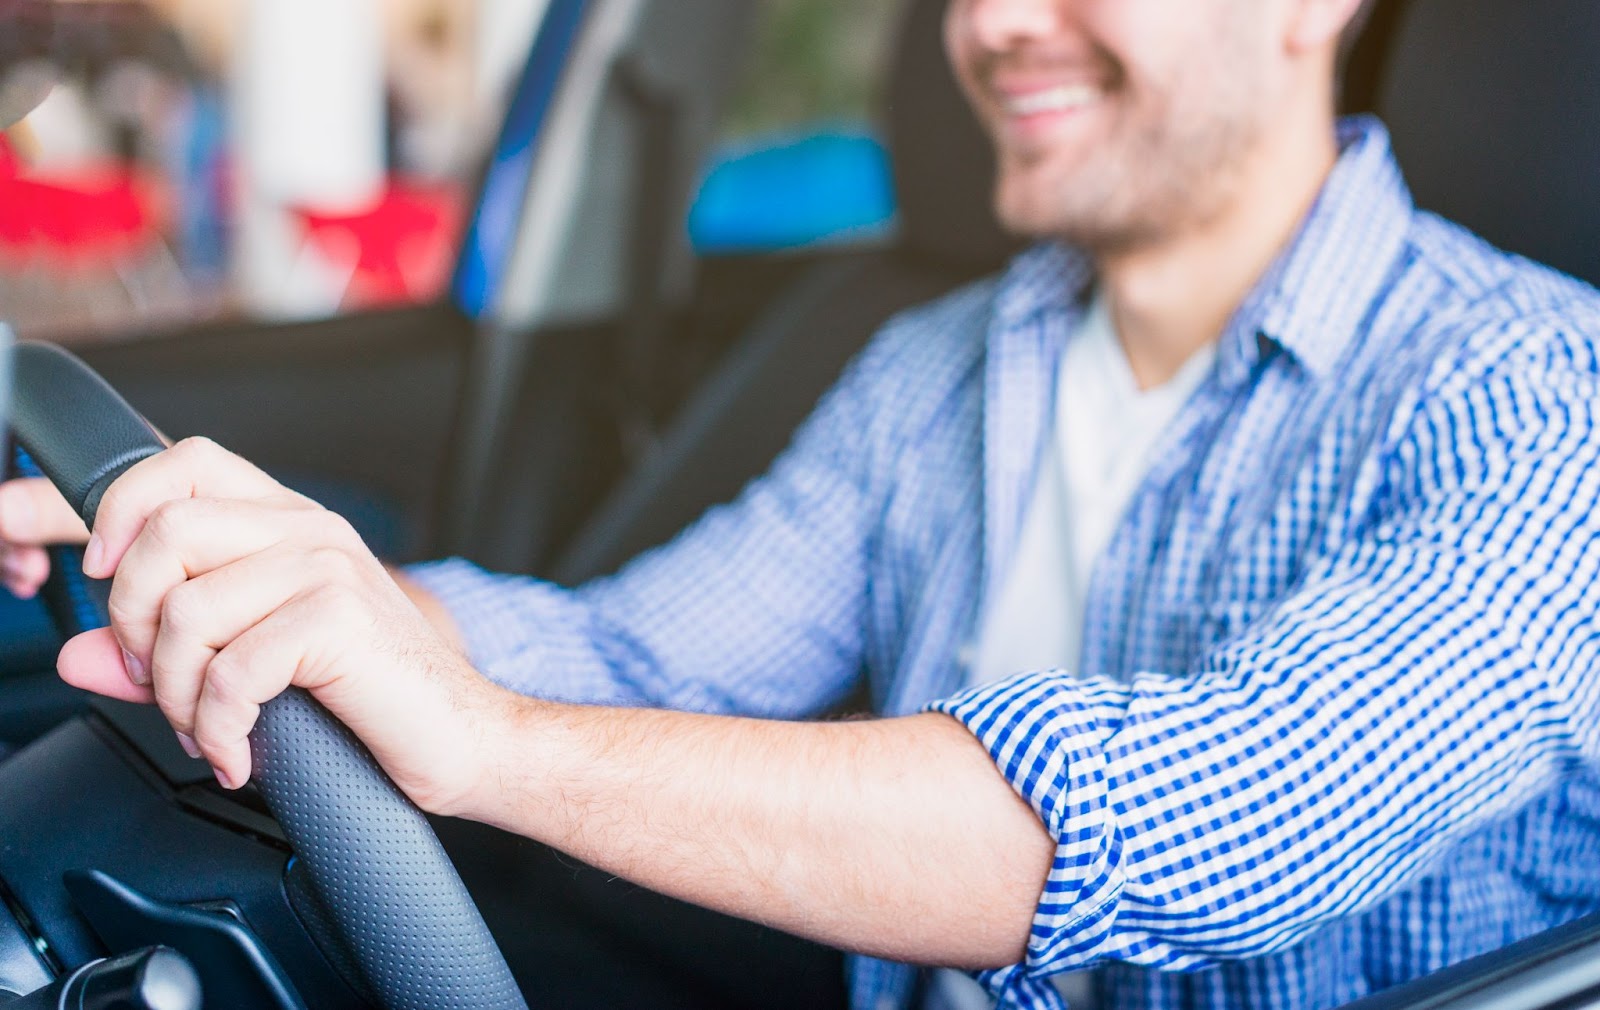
230	588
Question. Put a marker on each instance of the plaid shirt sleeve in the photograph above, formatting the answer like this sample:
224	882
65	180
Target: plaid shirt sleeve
1425	680
757	609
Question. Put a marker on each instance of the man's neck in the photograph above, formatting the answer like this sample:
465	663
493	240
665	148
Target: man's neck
1173	298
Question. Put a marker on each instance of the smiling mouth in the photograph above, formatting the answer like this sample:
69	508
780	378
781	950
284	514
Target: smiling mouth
1059	99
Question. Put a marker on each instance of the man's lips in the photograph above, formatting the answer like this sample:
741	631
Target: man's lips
1023	103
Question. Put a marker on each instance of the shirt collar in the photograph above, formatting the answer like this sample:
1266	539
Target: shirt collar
1318	292
1309	302
1049	277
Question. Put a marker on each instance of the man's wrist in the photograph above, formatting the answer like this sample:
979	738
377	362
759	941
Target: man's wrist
431	608
505	741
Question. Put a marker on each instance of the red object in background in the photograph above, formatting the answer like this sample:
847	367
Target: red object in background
91	217
400	250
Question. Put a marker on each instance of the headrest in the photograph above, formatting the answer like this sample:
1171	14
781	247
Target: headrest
1494	106
943	162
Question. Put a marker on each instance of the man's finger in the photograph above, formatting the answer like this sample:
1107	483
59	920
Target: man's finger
201	617
255	667
23	569
93	661
184	539
194	468
33	512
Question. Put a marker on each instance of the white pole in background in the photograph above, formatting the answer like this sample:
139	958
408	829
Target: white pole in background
309	108
505	33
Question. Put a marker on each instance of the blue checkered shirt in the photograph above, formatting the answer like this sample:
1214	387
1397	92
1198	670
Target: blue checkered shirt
1337	719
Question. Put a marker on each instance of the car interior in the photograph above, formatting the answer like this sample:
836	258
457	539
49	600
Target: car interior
587	387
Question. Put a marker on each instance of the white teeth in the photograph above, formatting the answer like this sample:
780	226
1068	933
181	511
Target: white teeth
1057	99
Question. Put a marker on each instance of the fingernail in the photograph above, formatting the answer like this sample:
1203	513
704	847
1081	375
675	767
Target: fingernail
223	780
93	553
189	746
135	668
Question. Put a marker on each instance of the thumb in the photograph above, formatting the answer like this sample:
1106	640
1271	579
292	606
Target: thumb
93	661
32	511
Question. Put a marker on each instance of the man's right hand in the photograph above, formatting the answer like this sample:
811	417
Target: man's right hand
33	515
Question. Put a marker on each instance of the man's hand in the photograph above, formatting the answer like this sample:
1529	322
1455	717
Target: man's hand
229	588
33	515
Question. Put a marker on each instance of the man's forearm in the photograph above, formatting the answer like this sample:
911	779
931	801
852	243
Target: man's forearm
897	838
890	837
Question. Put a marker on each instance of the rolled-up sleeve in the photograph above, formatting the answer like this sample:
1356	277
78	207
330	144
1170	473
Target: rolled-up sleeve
1429	678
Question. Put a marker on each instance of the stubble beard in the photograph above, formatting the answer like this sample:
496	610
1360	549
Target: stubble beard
1173	163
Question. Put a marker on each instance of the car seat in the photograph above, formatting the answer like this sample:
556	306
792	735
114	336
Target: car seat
1495	111
745	412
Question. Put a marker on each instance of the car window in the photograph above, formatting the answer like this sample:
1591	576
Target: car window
216	159
801	160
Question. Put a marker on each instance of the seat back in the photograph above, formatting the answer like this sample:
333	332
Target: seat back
744	414
1495	110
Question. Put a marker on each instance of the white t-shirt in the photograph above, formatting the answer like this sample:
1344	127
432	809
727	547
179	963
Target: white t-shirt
1098	453
1099	450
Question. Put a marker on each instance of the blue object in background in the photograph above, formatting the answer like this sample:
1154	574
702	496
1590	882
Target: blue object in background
202	187
29	640
486	251
794	190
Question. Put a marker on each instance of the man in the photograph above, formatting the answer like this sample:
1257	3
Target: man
1319	711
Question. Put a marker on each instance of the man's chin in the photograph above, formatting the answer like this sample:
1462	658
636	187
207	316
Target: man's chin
1097	234
1035	216
1044	201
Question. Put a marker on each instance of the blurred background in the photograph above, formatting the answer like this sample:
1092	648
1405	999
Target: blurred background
289	159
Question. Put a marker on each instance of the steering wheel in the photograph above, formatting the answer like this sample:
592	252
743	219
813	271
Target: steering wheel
371	882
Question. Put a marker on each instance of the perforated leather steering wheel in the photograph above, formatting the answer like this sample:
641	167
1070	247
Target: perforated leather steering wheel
372	885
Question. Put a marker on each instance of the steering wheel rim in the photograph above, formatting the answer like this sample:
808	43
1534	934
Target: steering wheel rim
373	887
